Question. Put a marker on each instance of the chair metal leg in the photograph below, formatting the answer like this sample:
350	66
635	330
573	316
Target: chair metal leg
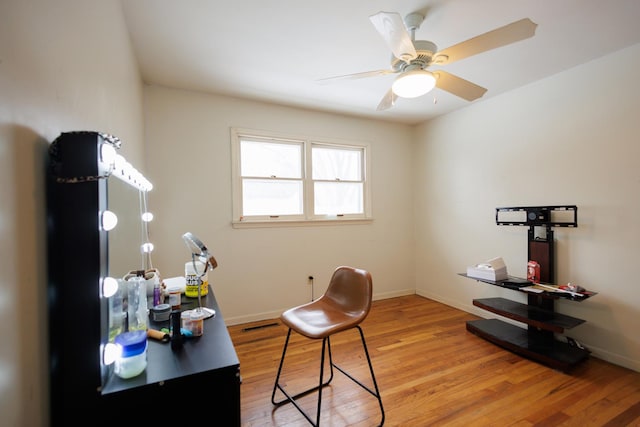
326	346
373	377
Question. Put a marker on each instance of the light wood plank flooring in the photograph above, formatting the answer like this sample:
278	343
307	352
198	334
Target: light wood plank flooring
431	372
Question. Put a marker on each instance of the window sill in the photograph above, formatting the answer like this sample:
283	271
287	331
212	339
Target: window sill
300	223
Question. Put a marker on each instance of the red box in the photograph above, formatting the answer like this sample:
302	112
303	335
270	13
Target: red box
533	272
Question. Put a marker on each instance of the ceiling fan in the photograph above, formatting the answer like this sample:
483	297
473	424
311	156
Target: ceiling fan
411	58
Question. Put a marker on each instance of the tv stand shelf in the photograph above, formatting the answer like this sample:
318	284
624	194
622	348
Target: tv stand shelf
556	354
531	315
537	341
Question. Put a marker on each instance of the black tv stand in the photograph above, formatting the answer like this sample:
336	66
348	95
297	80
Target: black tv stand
538	340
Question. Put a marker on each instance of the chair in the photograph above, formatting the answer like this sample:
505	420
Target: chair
344	305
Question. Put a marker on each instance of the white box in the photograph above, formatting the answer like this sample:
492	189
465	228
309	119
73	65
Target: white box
494	270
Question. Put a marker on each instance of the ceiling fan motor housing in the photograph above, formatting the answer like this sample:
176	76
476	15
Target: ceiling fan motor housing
425	51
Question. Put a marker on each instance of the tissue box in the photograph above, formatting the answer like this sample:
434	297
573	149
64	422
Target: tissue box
493	270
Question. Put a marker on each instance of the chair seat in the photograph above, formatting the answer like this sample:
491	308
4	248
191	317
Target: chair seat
320	318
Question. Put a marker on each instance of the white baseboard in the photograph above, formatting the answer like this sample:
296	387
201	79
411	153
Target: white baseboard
268	315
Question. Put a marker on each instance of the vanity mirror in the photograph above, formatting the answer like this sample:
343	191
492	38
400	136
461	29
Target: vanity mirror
129	245
94	238
95	204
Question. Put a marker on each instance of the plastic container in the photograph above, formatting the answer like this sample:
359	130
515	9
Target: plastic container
193	322
137	314
192	275
175	297
149	277
160	313
116	315
133	354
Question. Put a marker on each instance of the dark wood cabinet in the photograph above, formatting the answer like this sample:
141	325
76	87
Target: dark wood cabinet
200	381
201	377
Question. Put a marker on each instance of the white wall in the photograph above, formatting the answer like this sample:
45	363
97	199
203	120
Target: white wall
264	271
68	65
65	65
569	139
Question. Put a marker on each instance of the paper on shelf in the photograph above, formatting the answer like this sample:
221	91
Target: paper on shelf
494	270
532	289
179	282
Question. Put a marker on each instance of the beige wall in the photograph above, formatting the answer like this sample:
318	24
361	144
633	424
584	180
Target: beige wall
263	271
65	65
68	65
569	139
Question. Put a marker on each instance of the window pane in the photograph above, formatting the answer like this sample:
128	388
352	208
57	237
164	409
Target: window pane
332	198
271	197
267	159
336	163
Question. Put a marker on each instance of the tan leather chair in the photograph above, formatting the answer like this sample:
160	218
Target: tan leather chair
344	305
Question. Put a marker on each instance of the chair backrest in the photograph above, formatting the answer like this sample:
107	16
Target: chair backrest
352	290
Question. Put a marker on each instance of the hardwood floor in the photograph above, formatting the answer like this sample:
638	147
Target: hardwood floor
431	372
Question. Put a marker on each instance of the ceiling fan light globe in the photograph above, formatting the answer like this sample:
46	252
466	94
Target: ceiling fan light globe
412	84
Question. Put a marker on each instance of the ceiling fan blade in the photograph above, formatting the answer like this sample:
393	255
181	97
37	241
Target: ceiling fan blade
392	29
458	86
388	101
511	33
356	76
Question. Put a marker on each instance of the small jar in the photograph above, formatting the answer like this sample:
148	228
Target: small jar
175	298
133	354
160	312
197	322
193	322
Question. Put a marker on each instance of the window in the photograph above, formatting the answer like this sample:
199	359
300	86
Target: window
288	180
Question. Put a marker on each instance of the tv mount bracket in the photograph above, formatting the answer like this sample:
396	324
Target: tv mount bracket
540	248
543	216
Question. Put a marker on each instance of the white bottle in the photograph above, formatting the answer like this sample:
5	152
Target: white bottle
194	277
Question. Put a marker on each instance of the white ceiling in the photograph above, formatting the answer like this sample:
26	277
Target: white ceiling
276	50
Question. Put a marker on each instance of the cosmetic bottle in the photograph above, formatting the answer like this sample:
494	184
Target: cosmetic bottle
176	334
137	304
156	292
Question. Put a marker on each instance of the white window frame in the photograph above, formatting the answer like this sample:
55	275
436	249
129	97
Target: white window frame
308	217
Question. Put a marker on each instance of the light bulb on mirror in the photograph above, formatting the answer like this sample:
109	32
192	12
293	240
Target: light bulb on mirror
110	353
109	287
147	247
107	155
109	220
147	217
